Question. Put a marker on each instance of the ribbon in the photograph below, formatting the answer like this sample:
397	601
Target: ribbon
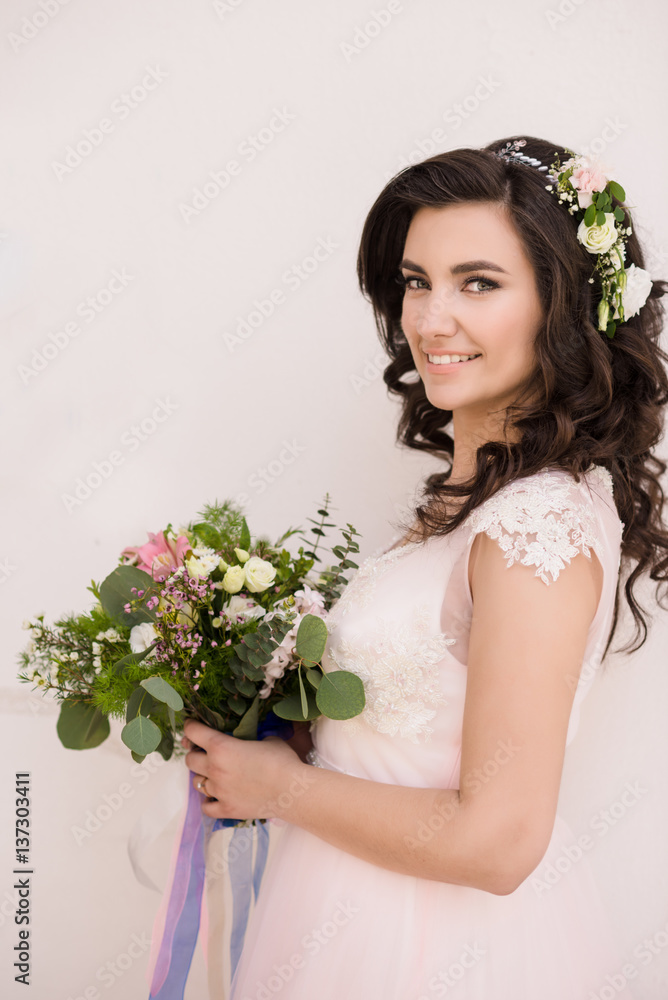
178	920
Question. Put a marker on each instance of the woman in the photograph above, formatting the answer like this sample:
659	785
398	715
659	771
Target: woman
420	857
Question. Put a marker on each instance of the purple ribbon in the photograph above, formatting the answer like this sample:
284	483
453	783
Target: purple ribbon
182	919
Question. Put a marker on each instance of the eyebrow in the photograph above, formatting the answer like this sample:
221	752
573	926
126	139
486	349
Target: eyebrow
464	268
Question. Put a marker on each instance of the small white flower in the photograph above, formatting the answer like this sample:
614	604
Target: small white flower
26	623
142	636
634	296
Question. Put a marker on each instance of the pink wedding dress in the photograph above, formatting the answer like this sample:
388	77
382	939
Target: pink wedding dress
330	926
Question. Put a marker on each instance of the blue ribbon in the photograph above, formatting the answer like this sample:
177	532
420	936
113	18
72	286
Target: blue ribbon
242	874
182	924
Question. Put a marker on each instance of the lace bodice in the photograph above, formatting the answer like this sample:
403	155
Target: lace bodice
402	623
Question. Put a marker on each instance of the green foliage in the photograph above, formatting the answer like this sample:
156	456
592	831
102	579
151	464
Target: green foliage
340	695
86	659
81	726
161	690
116	592
220	526
141	735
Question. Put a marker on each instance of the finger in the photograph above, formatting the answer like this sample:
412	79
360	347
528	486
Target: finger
185	742
197	761
203	736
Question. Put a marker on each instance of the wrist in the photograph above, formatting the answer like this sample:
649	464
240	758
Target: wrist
287	804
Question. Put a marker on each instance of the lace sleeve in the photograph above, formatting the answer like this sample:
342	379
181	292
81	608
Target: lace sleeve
543	521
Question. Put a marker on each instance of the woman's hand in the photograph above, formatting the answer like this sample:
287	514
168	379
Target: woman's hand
301	741
245	779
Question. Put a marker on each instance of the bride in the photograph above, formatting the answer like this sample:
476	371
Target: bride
510	296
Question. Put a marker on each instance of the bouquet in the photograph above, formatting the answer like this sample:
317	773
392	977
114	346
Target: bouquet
197	623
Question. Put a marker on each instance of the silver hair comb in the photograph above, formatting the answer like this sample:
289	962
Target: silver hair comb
511	152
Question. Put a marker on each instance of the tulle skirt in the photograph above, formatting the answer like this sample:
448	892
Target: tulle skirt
329	925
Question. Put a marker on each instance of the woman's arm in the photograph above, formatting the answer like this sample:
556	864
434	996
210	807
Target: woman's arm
525	651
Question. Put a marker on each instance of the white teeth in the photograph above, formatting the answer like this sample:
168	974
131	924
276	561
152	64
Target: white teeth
446	359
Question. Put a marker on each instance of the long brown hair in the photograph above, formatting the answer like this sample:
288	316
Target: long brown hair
588	400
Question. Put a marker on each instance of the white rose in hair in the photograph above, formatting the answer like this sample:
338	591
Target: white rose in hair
599	239
634	296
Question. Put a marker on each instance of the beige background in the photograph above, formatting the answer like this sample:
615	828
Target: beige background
297	408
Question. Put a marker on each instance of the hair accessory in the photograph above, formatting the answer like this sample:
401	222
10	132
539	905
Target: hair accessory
511	152
583	185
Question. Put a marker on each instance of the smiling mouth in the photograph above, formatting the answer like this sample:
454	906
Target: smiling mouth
450	365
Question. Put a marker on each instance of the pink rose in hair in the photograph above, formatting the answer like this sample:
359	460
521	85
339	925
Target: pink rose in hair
159	556
587	178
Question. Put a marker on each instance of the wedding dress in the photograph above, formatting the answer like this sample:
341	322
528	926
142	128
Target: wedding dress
327	924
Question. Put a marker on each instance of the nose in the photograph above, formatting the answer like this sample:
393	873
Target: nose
437	314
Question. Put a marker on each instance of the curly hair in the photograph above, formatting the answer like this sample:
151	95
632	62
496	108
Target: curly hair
588	399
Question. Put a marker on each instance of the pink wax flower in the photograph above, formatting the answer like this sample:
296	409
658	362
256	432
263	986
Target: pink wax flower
159	556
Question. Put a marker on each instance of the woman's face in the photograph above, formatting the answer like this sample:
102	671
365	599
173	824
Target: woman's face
470	289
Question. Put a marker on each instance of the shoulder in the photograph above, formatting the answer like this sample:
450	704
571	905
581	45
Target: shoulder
546	519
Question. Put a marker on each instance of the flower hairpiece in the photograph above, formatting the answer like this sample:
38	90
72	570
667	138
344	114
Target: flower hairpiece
582	184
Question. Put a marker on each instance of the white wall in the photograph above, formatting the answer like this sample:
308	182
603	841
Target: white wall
592	75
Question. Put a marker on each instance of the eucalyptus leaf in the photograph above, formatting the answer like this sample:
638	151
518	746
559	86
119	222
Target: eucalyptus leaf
247	727
253	673
141	735
314	676
302	693
138	757
340	695
590	215
140	702
311	638
245	687
81	726
162	690
166	746
600	218
116	592
238	705
291	708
